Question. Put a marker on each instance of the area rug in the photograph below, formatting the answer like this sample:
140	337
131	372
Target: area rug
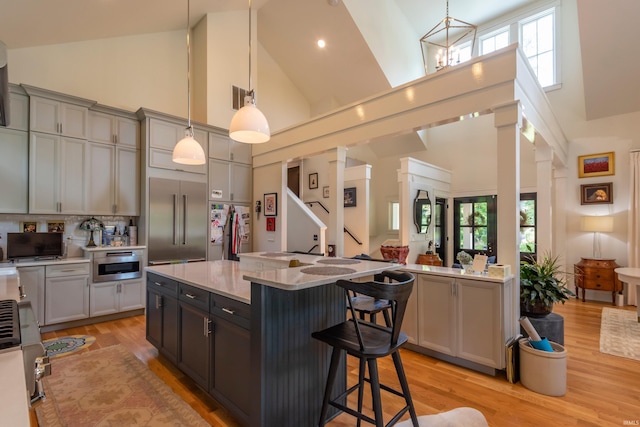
110	387
64	346
620	333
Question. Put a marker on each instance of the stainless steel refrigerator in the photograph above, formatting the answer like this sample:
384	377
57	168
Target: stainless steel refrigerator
177	221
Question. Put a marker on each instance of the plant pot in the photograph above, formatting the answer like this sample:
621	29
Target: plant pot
537	309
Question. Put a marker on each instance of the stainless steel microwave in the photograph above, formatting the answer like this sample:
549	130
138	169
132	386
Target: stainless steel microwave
117	265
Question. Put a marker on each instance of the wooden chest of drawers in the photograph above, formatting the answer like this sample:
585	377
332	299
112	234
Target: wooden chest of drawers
597	274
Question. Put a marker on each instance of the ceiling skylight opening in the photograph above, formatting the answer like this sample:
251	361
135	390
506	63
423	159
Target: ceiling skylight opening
321	43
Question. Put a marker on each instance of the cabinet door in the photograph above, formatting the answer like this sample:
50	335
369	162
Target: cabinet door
14	171
479	332
19	107
232	349
164	135
103	299
218	146
240	177
66	299
32	281
72	176
170	322
101	127
43	173
219	180
44	115
127	182
410	321
74	120
154	317
240	152
127	131
437	323
131	294
100	178
195	344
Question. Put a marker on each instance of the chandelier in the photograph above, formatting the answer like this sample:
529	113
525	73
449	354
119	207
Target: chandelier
444	37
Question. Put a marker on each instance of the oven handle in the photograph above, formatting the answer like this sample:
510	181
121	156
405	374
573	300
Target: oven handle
126	253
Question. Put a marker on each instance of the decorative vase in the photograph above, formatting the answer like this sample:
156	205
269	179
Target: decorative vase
398	253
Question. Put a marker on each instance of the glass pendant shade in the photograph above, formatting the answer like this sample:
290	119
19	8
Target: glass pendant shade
188	151
249	125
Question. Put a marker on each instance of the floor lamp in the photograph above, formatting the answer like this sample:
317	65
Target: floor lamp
597	225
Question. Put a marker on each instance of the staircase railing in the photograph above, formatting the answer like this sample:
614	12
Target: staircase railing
346	230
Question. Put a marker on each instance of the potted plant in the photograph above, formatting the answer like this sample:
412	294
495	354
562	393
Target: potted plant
542	284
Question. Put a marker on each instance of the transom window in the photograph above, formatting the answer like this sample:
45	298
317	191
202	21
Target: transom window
494	41
537	39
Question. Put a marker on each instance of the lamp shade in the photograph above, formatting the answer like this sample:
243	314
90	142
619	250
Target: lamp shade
601	224
249	125
188	151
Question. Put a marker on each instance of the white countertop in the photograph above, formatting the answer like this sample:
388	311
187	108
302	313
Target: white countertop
35	263
9	284
220	277
14	402
296	278
452	272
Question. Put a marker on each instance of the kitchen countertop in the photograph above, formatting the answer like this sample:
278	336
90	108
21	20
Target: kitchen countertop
452	272
39	262
112	248
220	277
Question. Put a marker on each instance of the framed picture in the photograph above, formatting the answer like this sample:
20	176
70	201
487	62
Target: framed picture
596	165
596	194
28	227
325	192
313	180
271	204
271	224
55	226
349	197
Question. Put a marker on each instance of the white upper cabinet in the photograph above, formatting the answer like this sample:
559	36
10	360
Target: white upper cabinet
163	136
14	171
113	129
222	147
60	118
18	109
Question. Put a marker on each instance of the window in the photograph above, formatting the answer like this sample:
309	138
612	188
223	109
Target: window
475	223
394	216
463	52
537	39
494	41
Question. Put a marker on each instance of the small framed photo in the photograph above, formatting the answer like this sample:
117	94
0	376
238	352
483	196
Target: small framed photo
271	224
596	165
28	227
271	204
350	197
313	180
55	226
596	194
325	192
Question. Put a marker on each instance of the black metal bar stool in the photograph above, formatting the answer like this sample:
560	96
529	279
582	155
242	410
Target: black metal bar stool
368	342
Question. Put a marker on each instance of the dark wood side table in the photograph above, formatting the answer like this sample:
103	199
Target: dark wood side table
597	274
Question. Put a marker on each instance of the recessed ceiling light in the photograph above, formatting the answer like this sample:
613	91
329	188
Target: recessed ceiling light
321	43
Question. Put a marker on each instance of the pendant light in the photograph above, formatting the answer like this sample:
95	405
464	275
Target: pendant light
248	124
188	151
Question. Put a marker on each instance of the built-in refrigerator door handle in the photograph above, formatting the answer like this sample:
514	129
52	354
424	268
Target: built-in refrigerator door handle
184	219
175	219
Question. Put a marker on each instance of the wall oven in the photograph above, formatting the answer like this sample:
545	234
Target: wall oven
117	265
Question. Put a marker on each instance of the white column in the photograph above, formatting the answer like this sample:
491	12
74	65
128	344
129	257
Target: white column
560	215
544	185
337	159
508	120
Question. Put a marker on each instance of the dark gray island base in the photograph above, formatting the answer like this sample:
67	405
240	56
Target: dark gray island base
245	337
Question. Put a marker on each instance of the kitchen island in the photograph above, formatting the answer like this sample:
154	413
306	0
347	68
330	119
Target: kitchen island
255	354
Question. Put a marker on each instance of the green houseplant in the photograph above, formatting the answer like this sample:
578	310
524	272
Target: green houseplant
542	284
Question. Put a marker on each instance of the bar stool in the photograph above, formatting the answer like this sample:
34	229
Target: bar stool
368	342
366	305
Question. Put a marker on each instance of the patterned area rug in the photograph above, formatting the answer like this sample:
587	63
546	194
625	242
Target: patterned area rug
620	333
110	387
64	346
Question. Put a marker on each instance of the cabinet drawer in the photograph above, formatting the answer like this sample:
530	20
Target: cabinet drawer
602	285
598	274
162	284
67	270
194	296
234	311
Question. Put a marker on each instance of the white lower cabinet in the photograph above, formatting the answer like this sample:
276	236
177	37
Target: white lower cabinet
115	297
66	292
32	282
463	318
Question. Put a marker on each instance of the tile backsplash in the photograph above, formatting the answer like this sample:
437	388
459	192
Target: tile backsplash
74	238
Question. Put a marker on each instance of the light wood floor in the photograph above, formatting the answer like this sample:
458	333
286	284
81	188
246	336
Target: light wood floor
602	390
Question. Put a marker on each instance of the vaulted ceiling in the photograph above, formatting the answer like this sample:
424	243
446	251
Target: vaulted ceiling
346	70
